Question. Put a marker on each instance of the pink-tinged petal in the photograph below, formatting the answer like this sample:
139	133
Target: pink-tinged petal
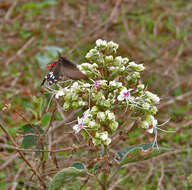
86	114
126	94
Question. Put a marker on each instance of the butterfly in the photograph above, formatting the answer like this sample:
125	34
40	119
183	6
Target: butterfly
60	68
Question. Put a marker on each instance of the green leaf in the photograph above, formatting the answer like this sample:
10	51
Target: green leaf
29	6
60	179
38	6
41	105
25	34
33	112
53	50
137	153
78	165
43	60
30	141
45	119
49	56
46	4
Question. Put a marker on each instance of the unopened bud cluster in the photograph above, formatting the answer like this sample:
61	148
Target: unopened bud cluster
114	88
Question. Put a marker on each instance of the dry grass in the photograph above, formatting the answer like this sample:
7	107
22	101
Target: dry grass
157	33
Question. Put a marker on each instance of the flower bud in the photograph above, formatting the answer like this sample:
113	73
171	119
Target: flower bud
101	44
113	125
136	67
101	116
109	59
145	125
153	97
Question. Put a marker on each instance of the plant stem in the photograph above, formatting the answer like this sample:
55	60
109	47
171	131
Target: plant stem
33	169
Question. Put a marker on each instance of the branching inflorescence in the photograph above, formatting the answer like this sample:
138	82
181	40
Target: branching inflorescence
114	88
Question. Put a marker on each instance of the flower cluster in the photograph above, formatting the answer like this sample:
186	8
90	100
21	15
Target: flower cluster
114	86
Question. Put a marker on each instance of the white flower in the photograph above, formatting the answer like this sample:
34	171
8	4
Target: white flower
109	58
122	68
82	103
110	115
146	106
150	130
101	116
124	95
92	54
77	128
99	83
81	121
101	43
136	67
114	83
107	141
59	93
94	65
86	85
153	123
86	114
125	60
113	45
153	97
140	87
133	64
92	123
118	60
104	136
86	65
75	85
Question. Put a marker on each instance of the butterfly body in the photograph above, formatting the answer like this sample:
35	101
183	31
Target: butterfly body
63	67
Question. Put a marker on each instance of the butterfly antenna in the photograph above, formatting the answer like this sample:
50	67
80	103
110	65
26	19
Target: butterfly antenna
43	81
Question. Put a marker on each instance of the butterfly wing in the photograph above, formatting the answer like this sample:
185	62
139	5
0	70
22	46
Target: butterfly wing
71	70
63	67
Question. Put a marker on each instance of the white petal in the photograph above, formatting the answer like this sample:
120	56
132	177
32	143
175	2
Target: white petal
76	128
120	98
150	130
104	136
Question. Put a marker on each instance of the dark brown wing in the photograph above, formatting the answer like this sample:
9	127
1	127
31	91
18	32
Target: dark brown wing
71	70
63	67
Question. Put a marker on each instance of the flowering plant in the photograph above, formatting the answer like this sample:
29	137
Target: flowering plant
106	106
114	85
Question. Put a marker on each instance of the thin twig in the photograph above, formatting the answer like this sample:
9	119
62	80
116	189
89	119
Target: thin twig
11	159
23	156
161	178
9	12
21	50
14	185
173	100
40	150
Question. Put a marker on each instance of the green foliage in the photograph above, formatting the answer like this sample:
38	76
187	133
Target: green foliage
78	165
48	56
45	119
25	34
30	141
137	153
189	178
60	179
38	6
157	33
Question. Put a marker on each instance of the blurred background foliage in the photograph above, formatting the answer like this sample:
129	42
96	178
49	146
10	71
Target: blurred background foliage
157	33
